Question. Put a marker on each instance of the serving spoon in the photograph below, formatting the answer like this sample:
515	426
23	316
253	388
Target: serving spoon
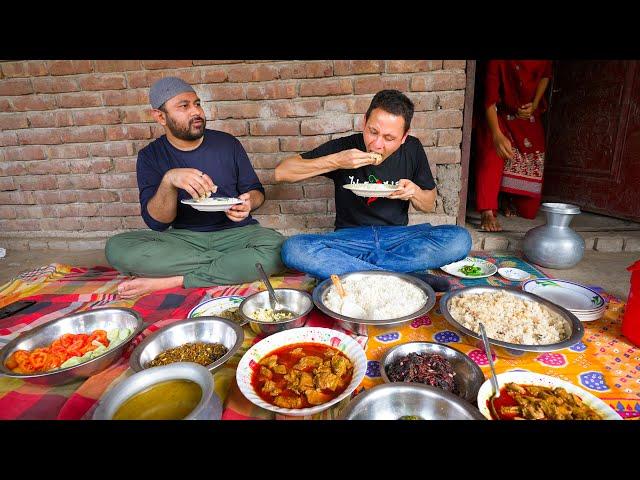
349	308
494	380
275	304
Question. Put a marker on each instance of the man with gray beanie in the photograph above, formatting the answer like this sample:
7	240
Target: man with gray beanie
187	247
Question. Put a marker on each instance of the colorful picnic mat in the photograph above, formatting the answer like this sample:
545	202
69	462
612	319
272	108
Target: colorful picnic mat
603	363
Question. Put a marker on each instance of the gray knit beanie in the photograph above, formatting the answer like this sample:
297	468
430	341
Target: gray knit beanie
167	88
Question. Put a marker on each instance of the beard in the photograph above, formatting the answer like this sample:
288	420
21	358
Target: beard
186	132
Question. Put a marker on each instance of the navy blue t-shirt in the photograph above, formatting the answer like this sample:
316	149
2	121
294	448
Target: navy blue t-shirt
220	155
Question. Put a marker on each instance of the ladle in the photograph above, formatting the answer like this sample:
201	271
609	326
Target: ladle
494	380
349	307
275	305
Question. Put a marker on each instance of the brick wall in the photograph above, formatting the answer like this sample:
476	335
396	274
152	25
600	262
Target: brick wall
70	132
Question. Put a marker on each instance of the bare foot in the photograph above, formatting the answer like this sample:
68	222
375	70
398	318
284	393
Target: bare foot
508	209
489	223
142	286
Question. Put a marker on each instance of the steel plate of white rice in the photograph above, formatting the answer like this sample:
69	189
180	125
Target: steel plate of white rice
382	297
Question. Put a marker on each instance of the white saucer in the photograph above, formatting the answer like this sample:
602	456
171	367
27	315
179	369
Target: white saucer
213	204
513	274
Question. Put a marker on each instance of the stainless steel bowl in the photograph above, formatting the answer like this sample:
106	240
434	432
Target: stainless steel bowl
468	375
360	326
297	301
209	407
391	401
200	329
84	322
571	322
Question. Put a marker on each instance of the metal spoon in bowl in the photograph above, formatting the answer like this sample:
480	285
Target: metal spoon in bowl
349	308
494	380
275	305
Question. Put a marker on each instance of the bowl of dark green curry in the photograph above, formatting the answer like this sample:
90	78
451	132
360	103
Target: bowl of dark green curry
207	341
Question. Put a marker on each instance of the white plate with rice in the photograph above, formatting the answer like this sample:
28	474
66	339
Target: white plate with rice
366	189
214	204
512	318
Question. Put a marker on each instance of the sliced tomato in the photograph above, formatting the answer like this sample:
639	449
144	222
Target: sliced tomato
99	335
38	359
21	356
89	347
67	339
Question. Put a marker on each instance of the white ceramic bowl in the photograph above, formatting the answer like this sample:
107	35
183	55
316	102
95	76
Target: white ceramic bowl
530	378
326	336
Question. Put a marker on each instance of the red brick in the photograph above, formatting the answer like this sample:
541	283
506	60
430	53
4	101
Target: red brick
7	183
283	192
79	100
5	106
428	138
260	145
237	110
49	197
320	221
126	97
331	205
216	62
376	83
326	190
319	69
161	64
64	224
103	82
271	91
357	67
281	222
15	198
252	73
96	196
83	134
324	87
134	223
17	69
306	70
8	139
123	165
68	151
193	76
50	119
423	101
265	160
441	155
269	207
21	225
455	64
142	79
307	206
293	70
266	176
18	86
90	165
130	195
13	121
24	153
69	67
118	180
274	127
437	119
440	80
82	182
137	115
101	224
103	116
451	100
39	136
349	105
72	210
112	149
8	169
55	85
109	66
157	130
8	212
36	182
303	108
128	132
237	128
449	137
409	66
33	102
213	75
50	167
302	144
223	92
328	124
120	209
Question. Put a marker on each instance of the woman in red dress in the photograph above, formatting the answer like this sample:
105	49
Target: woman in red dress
510	143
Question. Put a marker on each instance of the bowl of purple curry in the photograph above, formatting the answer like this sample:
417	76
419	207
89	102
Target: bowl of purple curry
435	365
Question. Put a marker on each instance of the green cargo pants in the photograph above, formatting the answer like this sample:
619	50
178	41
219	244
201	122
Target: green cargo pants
225	257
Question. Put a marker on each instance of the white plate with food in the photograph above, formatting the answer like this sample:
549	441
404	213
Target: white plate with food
269	366
570	295
470	267
562	405
213	204
513	274
367	189
225	307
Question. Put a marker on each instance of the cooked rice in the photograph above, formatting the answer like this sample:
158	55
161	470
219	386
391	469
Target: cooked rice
509	318
382	297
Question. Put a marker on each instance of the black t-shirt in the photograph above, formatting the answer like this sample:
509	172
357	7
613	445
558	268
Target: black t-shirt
409	161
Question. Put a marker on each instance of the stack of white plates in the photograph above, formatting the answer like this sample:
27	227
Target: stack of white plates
584	303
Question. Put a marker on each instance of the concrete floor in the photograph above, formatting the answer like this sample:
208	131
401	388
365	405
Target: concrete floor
607	270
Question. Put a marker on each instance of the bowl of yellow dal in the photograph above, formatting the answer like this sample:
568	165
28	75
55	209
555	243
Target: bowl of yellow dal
178	391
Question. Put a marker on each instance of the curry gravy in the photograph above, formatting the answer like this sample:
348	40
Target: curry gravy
170	400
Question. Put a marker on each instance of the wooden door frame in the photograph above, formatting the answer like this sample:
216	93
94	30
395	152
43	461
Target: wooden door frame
466	141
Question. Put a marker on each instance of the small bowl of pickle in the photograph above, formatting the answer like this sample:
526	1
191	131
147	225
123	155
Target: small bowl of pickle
207	341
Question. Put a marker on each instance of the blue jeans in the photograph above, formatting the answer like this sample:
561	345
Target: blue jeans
398	249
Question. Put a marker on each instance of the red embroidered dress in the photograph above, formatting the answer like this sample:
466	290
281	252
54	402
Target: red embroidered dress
509	85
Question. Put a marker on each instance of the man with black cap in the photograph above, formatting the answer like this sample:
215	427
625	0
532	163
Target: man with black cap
187	247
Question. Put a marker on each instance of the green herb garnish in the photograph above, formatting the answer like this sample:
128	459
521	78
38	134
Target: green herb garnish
471	270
